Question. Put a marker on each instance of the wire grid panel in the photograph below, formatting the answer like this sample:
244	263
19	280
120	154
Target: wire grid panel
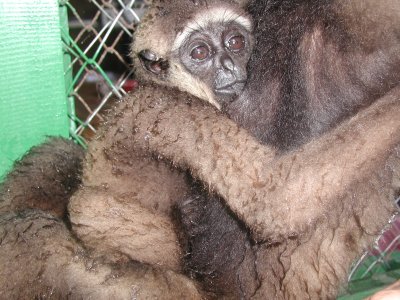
98	39
378	267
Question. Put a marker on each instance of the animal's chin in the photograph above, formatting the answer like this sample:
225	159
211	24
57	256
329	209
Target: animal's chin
229	92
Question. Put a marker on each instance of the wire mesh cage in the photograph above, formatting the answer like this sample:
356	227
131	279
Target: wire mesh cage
96	38
96	42
378	266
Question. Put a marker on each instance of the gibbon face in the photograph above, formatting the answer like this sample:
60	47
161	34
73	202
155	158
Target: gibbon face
218	56
204	53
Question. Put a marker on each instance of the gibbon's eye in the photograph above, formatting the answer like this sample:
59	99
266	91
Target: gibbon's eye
236	43
200	53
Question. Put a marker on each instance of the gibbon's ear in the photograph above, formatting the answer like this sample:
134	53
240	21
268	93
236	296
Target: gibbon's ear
152	63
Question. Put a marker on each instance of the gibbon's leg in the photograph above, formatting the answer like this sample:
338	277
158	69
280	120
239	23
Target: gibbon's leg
122	211
121	229
44	178
40	258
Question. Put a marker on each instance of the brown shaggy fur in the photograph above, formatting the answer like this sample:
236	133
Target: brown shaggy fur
41	260
310	212
322	229
307	250
309	261
315	64
45	178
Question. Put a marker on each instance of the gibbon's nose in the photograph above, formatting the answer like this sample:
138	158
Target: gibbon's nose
227	63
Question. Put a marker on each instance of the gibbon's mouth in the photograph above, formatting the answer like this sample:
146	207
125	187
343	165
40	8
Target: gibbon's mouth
232	88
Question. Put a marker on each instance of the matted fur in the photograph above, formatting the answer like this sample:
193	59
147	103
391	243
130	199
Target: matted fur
180	127
45	178
315	64
328	186
306	210
298	229
40	259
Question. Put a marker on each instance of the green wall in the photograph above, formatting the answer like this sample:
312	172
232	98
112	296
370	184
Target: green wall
33	103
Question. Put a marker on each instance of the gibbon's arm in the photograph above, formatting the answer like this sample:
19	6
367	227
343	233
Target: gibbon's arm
274	195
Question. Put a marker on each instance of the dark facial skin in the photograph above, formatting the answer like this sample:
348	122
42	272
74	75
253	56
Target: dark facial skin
218	56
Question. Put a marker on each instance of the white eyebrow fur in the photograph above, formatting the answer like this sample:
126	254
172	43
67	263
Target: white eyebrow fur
212	15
